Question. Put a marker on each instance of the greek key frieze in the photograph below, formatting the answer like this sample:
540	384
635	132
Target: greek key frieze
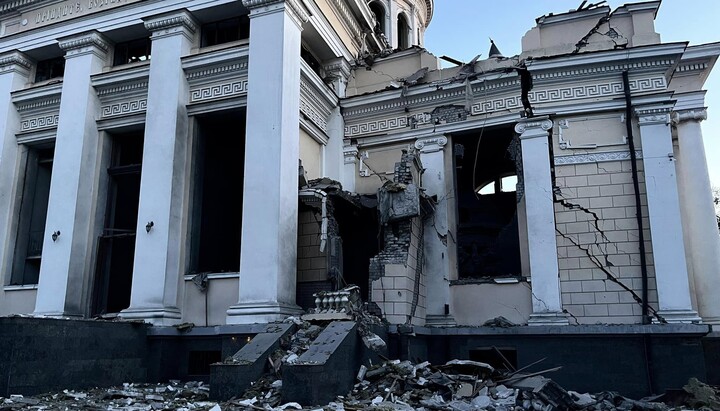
124	108
35	123
375	126
218	91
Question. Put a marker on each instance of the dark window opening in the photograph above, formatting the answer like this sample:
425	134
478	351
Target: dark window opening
379	11
498	358
311	61
218	186
33	213
403	29
225	31
199	361
132	51
116	246
486	179
50	69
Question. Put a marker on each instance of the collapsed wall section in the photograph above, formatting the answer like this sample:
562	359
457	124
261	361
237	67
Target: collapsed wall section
397	281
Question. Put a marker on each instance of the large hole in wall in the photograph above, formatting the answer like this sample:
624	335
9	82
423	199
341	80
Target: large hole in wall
485	179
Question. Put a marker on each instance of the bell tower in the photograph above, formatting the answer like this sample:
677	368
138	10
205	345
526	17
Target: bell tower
402	22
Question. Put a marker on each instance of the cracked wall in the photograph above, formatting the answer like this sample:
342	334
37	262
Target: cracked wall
598	249
397	280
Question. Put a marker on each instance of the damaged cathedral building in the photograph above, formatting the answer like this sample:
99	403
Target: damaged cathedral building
228	164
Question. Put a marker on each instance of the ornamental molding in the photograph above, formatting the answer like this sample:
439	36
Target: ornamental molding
596	157
90	40
38	104
338	68
217	91
346	16
698	66
14	60
484	104
603	69
431	144
123	108
125	88
217	70
530	125
689	115
350	154
651	118
172	23
39	122
311	105
376	126
297	8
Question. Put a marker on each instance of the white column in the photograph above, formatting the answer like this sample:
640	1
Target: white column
671	276
698	213
158	266
540	215
14	72
268	254
437	260
339	72
66	266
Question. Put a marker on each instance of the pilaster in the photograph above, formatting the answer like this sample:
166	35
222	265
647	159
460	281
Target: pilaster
671	275
350	167
268	257
159	261
437	264
66	268
337	74
540	216
699	223
14	71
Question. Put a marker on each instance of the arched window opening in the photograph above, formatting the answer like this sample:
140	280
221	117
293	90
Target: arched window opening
505	184
379	11
403	29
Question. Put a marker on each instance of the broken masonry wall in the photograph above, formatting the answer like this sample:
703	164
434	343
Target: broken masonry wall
312	264
397	280
376	166
597	236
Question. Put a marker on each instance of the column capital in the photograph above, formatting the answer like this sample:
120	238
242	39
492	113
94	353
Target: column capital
15	61
350	153
682	116
90	42
297	10
170	24
338	68
533	127
431	144
653	115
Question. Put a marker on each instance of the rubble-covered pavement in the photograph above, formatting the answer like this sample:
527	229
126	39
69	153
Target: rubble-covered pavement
394	385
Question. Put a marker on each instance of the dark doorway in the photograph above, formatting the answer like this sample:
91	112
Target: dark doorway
359	230
217	194
486	178
116	248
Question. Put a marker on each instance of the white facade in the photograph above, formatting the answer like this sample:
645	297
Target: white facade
156	176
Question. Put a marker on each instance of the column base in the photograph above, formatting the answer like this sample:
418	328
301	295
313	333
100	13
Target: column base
155	316
261	312
711	320
678	317
439	320
548	318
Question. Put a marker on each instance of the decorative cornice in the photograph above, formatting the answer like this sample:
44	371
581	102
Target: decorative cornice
35	104
181	22
524	126
429	6
431	144
217	70
689	115
123	88
350	154
14	60
91	41
295	6
596	157
650	117
697	66
346	16
13	6
339	68
602	69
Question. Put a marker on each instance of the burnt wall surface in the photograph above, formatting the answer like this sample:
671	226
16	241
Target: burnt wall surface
39	355
633	362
